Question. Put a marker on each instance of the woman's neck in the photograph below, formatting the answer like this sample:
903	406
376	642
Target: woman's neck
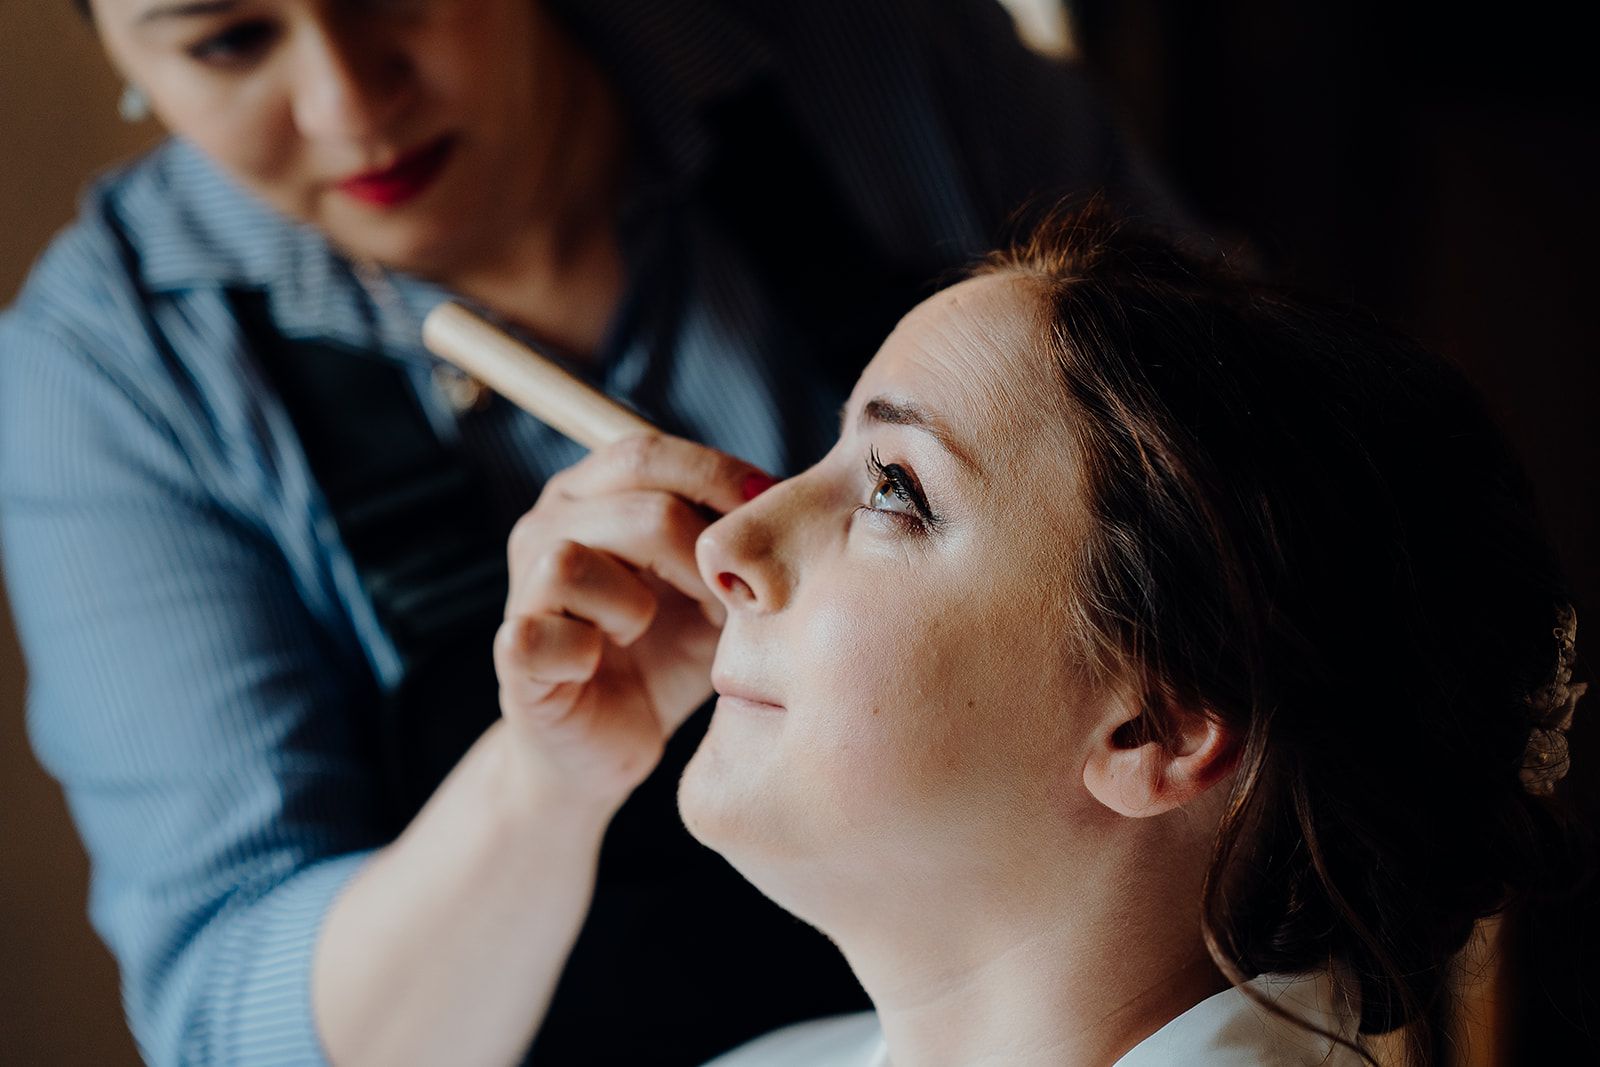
561	274
1066	976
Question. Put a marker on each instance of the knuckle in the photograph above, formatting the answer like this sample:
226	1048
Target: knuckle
590	647
723	469
679	523
652	511
649	605
559	482
565	563
637	455
512	641
567	484
524	538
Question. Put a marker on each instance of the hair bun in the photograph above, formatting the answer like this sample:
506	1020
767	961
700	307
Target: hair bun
1547	760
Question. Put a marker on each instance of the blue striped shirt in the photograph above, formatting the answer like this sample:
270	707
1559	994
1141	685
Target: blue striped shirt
192	622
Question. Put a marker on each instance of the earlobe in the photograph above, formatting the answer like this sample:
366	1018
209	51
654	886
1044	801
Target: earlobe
1137	773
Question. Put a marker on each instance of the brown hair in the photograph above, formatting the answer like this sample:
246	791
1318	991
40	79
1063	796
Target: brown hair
1304	525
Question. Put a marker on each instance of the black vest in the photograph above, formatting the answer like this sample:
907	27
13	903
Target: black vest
680	958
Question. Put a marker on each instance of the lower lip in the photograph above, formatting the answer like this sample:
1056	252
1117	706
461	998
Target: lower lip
741	704
406	180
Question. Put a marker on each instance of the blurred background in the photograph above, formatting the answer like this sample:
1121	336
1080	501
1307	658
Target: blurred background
1434	162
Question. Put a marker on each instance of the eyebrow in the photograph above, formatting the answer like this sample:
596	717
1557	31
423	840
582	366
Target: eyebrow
894	412
186	10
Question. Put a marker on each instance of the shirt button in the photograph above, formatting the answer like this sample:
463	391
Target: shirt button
464	393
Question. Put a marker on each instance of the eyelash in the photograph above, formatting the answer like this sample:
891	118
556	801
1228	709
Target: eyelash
904	486
235	46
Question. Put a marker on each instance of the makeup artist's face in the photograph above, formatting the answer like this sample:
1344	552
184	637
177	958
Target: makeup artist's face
897	698
409	131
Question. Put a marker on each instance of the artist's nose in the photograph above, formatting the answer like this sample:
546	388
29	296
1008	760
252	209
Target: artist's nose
348	85
743	556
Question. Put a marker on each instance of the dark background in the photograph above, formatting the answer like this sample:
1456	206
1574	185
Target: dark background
1434	165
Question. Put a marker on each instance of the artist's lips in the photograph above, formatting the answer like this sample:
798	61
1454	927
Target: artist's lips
736	695
405	178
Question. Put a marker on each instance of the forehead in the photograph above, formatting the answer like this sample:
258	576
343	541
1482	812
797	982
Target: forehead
976	353
125	24
135	10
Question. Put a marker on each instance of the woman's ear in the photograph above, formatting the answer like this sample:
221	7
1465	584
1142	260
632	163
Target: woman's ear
1135	771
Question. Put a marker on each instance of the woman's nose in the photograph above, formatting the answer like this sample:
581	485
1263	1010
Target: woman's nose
348	88
741	559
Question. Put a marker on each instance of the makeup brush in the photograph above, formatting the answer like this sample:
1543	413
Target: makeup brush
544	390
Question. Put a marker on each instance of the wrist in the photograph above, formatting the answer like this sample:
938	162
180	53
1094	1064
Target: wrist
531	796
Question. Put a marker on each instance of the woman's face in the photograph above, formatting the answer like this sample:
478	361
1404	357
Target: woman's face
898	701
409	131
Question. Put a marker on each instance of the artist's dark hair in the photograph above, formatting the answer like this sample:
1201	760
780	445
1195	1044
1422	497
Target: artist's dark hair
1304	525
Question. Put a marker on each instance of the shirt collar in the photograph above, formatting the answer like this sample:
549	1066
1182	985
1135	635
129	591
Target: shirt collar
1230	1027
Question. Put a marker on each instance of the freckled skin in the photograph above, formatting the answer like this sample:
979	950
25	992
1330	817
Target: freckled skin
934	725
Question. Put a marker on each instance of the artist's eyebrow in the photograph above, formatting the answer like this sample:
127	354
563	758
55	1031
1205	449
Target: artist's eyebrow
191	9
895	412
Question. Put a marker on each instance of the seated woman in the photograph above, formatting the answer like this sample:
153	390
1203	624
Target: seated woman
1158	670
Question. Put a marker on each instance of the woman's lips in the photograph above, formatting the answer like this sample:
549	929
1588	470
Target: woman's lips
403	180
726	700
742	697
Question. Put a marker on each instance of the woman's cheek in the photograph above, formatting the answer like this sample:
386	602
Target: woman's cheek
881	670
255	144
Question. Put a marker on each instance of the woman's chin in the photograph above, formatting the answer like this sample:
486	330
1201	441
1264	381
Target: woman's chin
424	240
732	823
740	797
733	798
717	800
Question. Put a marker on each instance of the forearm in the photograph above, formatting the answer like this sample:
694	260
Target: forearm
448	946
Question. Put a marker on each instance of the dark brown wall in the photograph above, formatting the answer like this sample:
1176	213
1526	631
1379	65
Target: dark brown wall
58	986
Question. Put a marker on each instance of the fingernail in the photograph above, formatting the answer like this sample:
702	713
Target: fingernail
756	484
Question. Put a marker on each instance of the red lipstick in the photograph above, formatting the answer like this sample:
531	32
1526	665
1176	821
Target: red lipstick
404	179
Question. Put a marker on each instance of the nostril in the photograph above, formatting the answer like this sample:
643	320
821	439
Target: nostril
733	584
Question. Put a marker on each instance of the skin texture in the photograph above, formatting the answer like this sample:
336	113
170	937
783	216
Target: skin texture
905	754
893	646
291	97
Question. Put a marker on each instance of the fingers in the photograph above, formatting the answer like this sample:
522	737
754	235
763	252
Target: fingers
535	657
563	609
660	463
648	530
584	582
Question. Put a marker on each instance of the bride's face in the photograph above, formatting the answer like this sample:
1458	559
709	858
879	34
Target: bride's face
898	700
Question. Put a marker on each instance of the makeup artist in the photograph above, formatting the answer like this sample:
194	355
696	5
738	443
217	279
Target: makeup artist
255	537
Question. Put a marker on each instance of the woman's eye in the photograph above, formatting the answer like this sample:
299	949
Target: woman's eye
887	496
895	492
236	45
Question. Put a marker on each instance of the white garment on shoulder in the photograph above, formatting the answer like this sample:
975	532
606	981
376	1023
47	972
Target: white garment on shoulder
1231	1030
837	1041
1225	1030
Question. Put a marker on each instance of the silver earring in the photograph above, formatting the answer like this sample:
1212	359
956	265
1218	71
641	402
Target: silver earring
132	105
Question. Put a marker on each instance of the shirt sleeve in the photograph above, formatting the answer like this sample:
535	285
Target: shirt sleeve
209	746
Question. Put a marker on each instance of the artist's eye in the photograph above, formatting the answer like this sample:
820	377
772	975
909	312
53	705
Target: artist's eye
895	493
236	46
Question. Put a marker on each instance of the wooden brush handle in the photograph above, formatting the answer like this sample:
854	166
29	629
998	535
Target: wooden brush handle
541	388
